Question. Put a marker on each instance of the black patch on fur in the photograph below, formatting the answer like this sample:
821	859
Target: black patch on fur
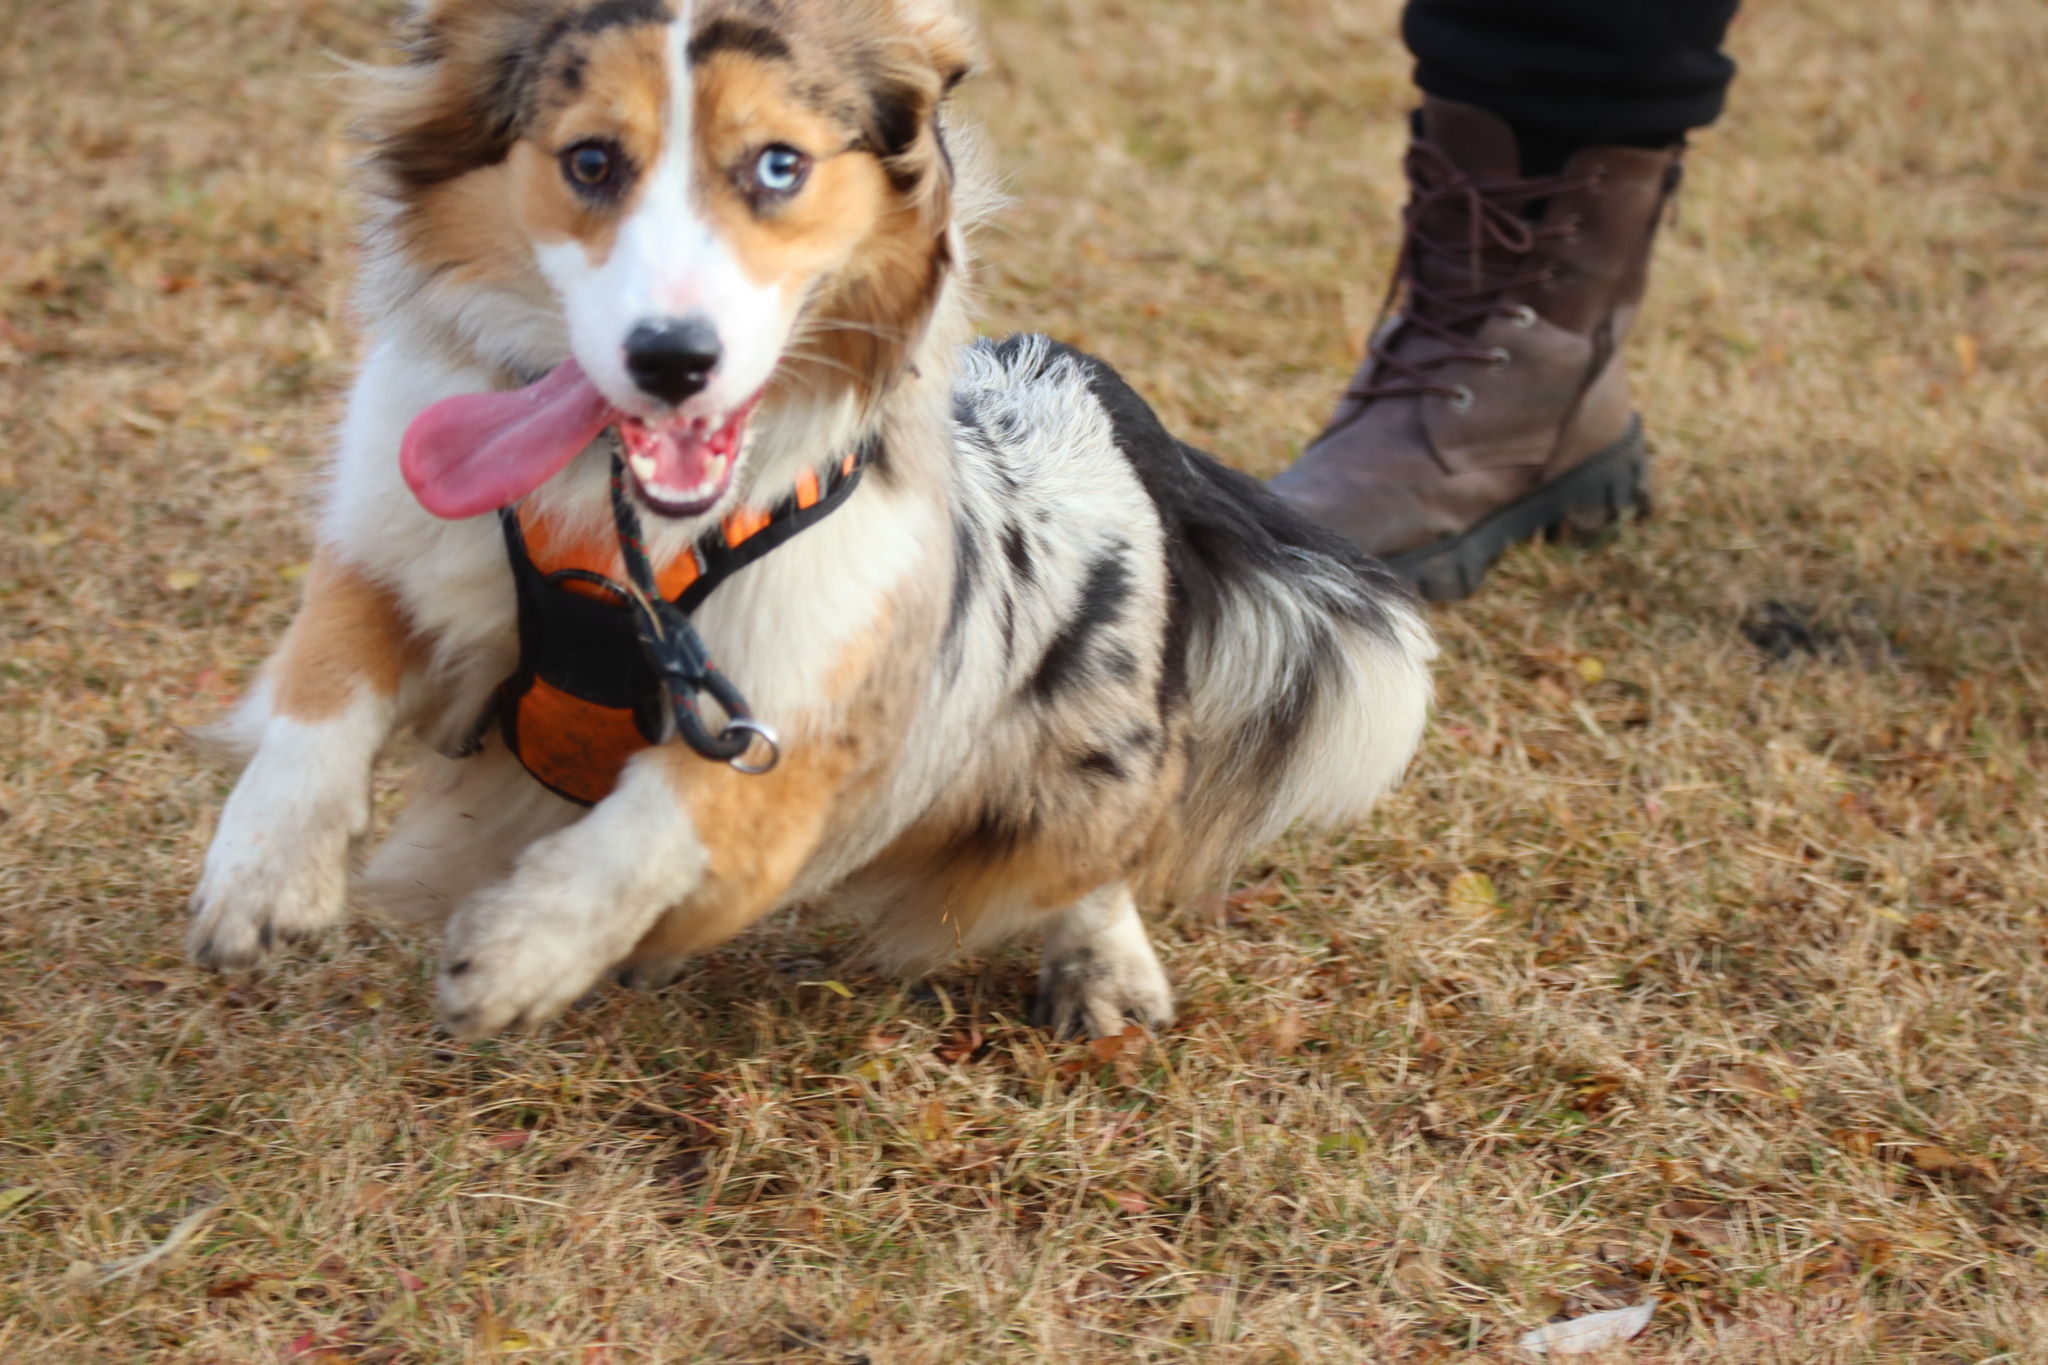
997	834
1103	594
1019	551
1223	530
737	35
622	13
966	573
895	114
479	129
1102	763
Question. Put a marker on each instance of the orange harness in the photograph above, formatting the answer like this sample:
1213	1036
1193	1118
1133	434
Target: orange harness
599	678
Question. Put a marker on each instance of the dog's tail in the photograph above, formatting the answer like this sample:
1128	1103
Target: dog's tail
1305	665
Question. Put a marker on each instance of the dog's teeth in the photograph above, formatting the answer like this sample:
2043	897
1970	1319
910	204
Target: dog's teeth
642	467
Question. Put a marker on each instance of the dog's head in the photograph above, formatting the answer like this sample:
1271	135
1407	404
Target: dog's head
713	201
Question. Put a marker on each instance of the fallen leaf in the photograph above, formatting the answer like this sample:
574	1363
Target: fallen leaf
1594	1332
933	1124
879	1041
1239	904
1591	1095
1861	1141
11	1199
1754	1080
409	1282
1288	1031
183	1232
181	580
1678	1171
1931	1160
510	1141
292	573
1111	1046
1472	891
1966	354
1128	1201
371	999
960	1048
46	540
150	983
1591	670
1836	1266
838	988
490	1333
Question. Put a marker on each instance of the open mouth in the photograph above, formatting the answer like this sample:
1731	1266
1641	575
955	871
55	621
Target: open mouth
474	453
682	467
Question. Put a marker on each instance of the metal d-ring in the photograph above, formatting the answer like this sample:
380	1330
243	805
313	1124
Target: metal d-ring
761	731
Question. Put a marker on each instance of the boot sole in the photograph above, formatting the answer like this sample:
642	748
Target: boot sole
1592	494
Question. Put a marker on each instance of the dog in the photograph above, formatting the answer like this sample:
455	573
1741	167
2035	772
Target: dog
663	296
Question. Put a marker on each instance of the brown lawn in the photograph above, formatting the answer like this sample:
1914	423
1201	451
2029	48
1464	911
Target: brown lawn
1685	968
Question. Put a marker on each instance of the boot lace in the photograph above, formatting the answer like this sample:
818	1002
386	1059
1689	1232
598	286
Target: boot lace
1454	221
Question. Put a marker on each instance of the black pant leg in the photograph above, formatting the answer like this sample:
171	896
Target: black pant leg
1577	73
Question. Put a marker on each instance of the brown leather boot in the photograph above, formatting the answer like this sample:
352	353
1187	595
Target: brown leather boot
1494	405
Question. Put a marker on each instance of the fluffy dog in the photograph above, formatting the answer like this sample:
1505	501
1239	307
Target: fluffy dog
653	274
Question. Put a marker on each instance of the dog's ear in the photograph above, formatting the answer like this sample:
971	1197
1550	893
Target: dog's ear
454	105
947	38
934	52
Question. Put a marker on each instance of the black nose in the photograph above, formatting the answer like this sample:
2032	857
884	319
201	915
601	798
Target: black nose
672	360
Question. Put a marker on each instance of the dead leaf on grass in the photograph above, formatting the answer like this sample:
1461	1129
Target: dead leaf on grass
1702	1222
150	983
1472	891
1288	1031
1596	1093
1594	1332
1128	1201
960	1048
933	1125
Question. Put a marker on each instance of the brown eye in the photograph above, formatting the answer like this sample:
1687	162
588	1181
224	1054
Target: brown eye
591	165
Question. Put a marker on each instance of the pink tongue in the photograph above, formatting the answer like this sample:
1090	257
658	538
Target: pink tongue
469	455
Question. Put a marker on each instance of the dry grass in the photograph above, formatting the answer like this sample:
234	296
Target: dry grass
1677	969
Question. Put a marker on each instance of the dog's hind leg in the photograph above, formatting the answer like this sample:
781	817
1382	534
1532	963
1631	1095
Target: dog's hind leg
1097	970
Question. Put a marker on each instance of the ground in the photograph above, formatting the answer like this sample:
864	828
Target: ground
1701	962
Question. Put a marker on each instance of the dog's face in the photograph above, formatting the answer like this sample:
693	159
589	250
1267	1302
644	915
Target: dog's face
717	198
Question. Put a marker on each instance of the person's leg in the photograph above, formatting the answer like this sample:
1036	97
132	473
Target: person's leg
1493	405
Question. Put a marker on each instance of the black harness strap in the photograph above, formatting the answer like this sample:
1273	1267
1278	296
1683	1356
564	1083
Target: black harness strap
640	651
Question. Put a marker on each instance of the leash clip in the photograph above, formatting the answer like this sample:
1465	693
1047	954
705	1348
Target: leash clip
679	655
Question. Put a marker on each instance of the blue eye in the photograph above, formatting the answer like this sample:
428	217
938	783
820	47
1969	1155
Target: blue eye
779	169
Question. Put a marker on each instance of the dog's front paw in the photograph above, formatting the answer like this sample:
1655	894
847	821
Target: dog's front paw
264	888
514	961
